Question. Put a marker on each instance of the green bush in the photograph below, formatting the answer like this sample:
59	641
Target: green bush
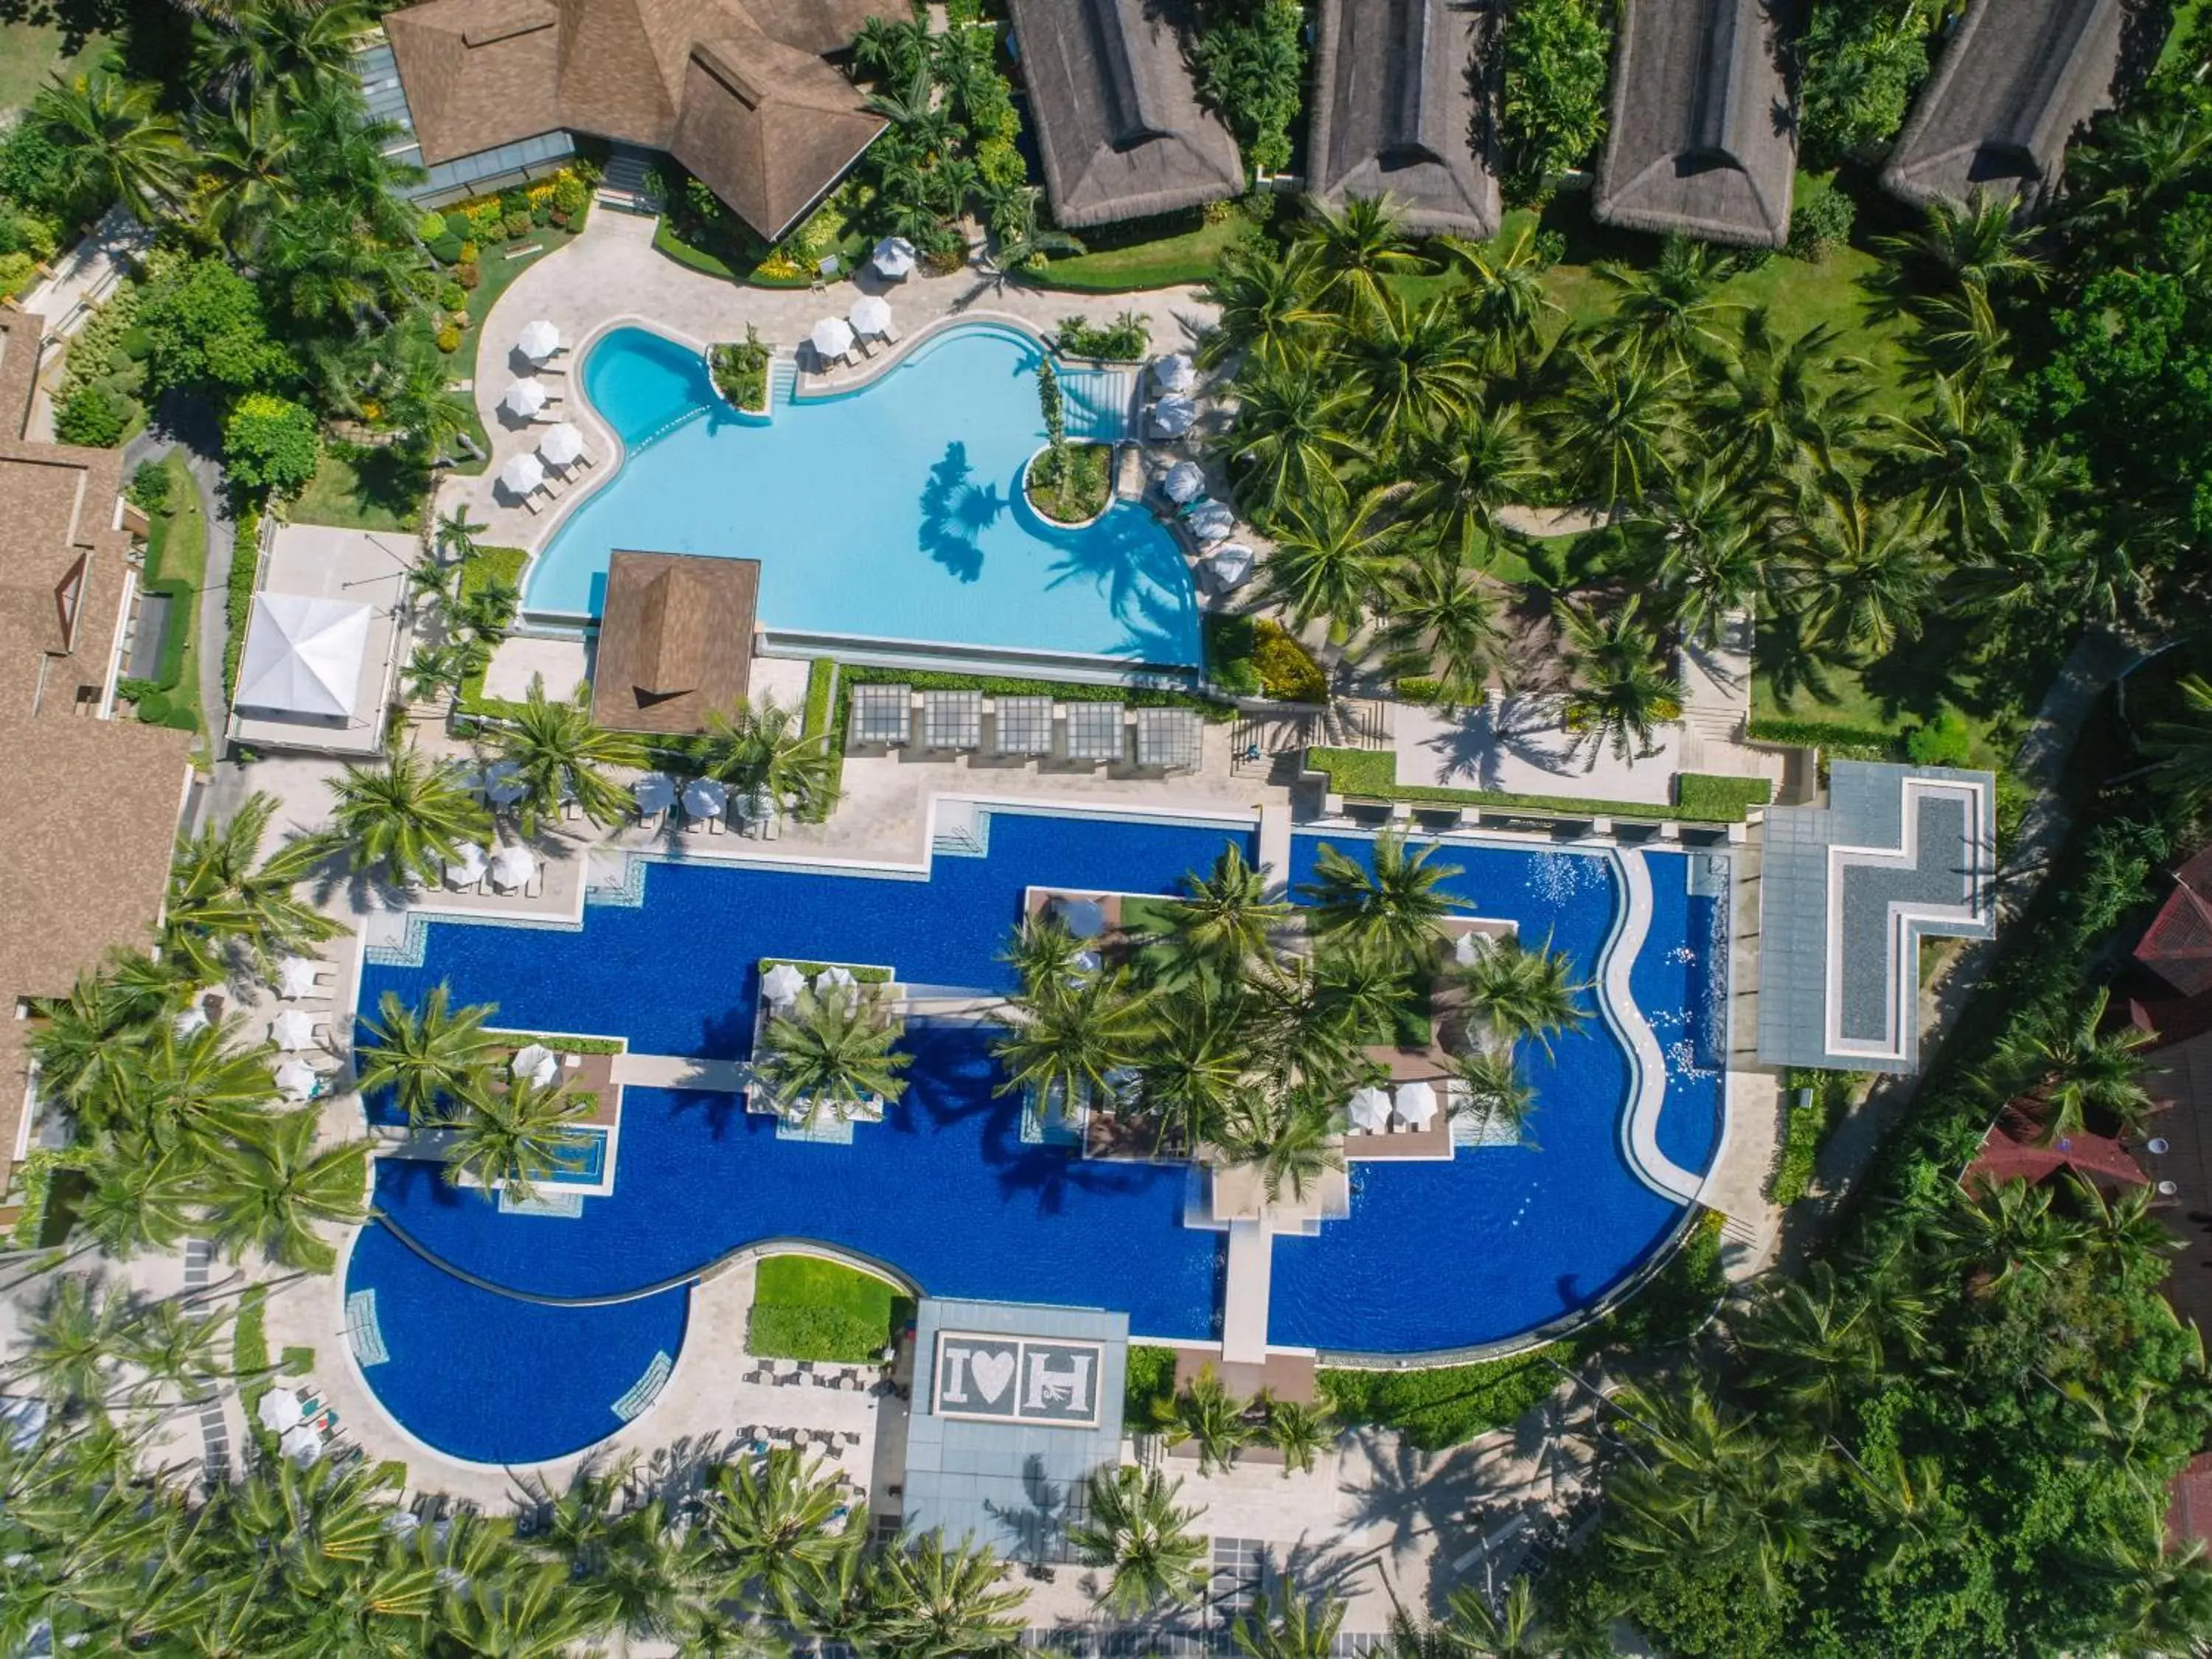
451	296
430	227
272	443
238	593
1149	1383
1127	339
1250	57
468	274
154	706
517	223
1804	1127
571	195
449	339
1863	61
740	370
1446	1404
446	249
149	486
1719	799
1287	669
1841	742
17	272
1228	644
1820	221
485	220
1678	1297
1947	740
1556	61
91	415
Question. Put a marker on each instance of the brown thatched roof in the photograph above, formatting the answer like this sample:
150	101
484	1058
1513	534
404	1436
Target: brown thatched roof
676	641
1402	107
737	90
1117	115
1703	142
2016	82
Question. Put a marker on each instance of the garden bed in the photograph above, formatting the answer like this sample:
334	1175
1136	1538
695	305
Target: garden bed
805	1308
1086	488
739	368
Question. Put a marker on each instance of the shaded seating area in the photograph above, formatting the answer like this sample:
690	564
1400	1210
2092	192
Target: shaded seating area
1096	732
676	638
952	719
882	716
1022	726
1168	740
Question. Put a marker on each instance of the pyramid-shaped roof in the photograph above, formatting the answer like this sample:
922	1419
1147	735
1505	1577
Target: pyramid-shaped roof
303	655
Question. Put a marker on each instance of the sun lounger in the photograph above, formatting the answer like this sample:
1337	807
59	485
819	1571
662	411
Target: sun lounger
555	488
535	504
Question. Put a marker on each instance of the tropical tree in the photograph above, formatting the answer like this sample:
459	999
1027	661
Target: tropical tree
2183	746
179	1348
1443	613
1417	367
1504	293
936	1602
407	818
426	1055
2009	1232
1205	1415
1394	904
836	1050
243	156
73	1340
1067	1038
1197	1058
1620	696
1861	572
1289	1136
1021	240
761	750
1511	1631
1777	407
281	48
222	892
186	1090
1476	466
1291	431
1289	1626
1520	991
1711	559
85	1043
1300	1431
768	1522
1493	1093
511	1133
1263	307
1671	307
1618	422
140	1196
1136	1529
272	1188
1357	249
116	143
646	1570
1329	559
559	752
1222	921
1978	243
2080	1069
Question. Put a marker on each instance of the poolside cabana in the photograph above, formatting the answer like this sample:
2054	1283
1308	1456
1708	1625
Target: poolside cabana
1169	740
676	641
1022	726
882	716
951	720
1095	732
1229	566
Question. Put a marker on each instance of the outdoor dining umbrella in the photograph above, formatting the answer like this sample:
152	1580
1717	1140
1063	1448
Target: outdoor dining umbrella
292	1030
280	1408
560	444
470	869
1174	417
1184	483
1370	1110
1211	522
1416	1105
834	981
535	1062
522	474
705	797
296	1080
1083	918
512	866
655	792
504	784
832	338
538	340
1174	373
871	314
524	397
295	978
894	258
1231	564
781	985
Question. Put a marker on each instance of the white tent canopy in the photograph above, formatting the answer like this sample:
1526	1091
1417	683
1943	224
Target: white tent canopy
781	985
655	792
538	340
832	338
1370	1110
522	474
834	981
468	868
524	397
871	314
894	258
1184	483
536	1063
295	977
303	656
1416	1105
513	865
560	444
292	1030
1174	373
301	1444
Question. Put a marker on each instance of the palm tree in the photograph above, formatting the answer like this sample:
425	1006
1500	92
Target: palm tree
1392	905
1779	406
114	141
1618	418
1300	1431
454	536
1043	954
1068	1037
1263	304
1862	572
189	1091
1197	1058
84	1043
139	1196
1288	1625
2080	1069
837	1050
1671	308
243	155
1417	369
1712	559
174	1346
1289	435
939	1603
1442	614
532	1610
1493	1094
1510	1632
2183	747
1978	243
1809	1345
427	1054
278	47
1221	922
1621	694
222	892
1329	559
1476	466
1356	251
1136	1529
891	47
643	1567
1290	1137
1205	1415
74	1341
559	752
512	1135
272	1188
762	750
1505	296
407	818
1961	463
1021	240
2010	1231
1522	992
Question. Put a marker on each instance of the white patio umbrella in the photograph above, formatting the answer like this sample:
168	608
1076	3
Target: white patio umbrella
295	1080
560	444
292	1031
834	981
194	1018
1211	522
705	797
654	793
1370	1110
522	474
832	338
781	985
871	314
1174	373
524	397
538	340
512	866
504	784
1184	483
536	1063
469	870
894	258
1416	1105
1231	564
1173	416
301	1444
280	1408
295	977
1466	948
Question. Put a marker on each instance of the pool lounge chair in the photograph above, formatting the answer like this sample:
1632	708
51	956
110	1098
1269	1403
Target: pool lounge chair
534	503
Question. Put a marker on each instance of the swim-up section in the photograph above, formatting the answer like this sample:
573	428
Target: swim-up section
1473	1249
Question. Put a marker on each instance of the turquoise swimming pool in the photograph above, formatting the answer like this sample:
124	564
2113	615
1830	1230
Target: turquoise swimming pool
894	511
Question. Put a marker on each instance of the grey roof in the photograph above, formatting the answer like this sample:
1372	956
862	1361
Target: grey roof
2019	78
883	715
1403	107
1848	890
951	720
1094	732
1022	726
1703	141
1004	1476
1118	119
1169	738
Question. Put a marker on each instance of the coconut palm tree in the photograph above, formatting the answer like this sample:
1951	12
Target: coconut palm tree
187	1090
84	1041
1443	615
761	750
1223	920
511	1134
115	142
768	1522
1492	1093
1521	991
1779	407
1708	560
1809	1345
1197	1058
1263	302
938	1602
139	1196
2008	1231
836	1050
646	1570
1043	954
1618	421
281	49
531	1610
1329	559
1979	243
1510	1632
1020	240
1136	1529
559	752
2182	747
1291	430
1288	1625
1417	367
1068	1038
1962	462
1671	308
1357	250
1300	1431
272	1189
222	892
179	1348
243	157
1476	466
891	47
407	818
1961	337
73	1340
427	1054
1861	572
1206	1416
454	536
1621	694
1505	294
1289	1136
2080	1070
1394	903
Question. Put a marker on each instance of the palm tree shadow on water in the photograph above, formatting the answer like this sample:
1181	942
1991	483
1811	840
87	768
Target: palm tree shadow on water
956	511
1137	565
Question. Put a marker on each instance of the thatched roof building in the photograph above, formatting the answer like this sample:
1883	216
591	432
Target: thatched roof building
1117	115
1403	107
1703	142
739	91
676	641
2016	82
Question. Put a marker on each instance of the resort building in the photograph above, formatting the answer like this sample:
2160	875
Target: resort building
2016	82
741	92
676	641
1396	112
1847	893
89	814
1118	119
322	642
1703	142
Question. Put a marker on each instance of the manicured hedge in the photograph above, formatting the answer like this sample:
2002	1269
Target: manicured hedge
1372	774
237	600
1722	799
1149	1385
1447	1404
1843	742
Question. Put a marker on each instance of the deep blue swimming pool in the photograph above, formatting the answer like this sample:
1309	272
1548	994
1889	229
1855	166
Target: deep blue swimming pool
1492	1244
894	513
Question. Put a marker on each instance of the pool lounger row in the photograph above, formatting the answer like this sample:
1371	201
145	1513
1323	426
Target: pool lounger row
887	716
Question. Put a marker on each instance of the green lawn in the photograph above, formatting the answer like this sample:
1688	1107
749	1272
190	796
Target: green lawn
1165	263
499	274
176	551
30	52
362	489
805	1308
